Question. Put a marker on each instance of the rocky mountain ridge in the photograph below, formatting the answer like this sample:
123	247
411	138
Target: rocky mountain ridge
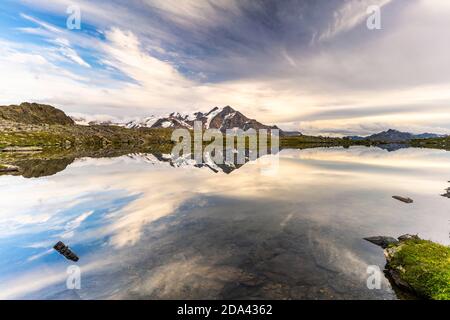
217	118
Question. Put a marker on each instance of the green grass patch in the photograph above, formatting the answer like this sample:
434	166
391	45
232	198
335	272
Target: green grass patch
30	139
66	136
425	266
434	143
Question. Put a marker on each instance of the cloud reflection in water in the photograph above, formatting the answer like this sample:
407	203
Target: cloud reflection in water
153	231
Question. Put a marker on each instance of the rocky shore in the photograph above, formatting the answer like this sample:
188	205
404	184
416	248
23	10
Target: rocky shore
419	267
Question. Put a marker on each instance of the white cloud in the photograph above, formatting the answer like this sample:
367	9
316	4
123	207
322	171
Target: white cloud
349	15
344	81
66	50
41	23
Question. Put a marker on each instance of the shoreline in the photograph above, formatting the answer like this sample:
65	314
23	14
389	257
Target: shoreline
415	266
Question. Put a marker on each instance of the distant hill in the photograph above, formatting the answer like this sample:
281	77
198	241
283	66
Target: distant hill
392	135
33	113
429	136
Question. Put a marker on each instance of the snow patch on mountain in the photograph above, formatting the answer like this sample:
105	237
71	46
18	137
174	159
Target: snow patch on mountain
147	122
99	119
211	115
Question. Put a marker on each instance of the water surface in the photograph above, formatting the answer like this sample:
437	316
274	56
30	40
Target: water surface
144	229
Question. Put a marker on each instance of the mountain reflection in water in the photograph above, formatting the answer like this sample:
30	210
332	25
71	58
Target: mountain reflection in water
148	230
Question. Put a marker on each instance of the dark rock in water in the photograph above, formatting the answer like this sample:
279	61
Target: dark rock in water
383	242
395	278
65	251
447	194
403	199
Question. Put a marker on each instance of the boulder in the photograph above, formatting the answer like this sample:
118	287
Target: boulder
381	241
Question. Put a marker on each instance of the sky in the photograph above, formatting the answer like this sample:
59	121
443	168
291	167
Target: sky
308	65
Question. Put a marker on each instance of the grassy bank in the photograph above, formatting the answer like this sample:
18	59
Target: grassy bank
424	265
302	141
74	135
67	136
100	136
436	143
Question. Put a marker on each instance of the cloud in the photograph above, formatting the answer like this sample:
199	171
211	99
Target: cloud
43	24
280	62
348	15
122	234
66	50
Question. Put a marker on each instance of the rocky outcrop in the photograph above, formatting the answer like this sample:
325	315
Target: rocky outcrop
34	113
416	266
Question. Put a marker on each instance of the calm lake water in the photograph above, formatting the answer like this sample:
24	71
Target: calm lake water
144	229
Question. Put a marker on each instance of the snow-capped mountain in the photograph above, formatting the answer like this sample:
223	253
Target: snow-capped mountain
141	123
173	120
217	118
91	120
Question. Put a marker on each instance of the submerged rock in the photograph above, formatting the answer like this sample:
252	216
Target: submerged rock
403	199
65	251
381	241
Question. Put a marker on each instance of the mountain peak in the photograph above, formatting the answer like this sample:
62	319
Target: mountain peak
228	109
